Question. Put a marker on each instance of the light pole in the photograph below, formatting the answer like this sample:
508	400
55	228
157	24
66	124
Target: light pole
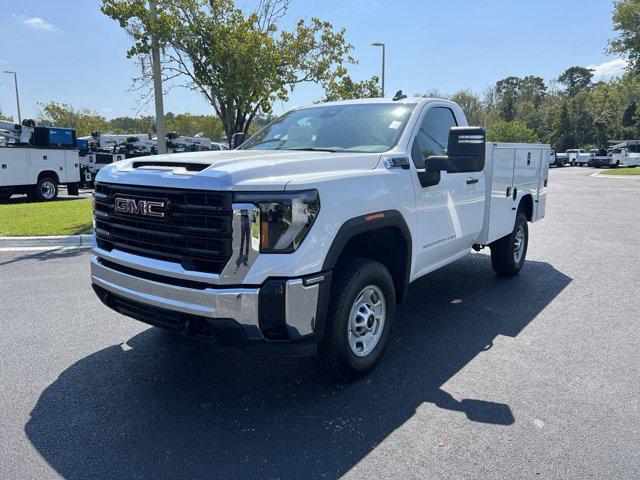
378	44
157	85
15	81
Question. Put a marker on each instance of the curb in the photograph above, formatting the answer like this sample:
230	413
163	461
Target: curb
601	175
64	241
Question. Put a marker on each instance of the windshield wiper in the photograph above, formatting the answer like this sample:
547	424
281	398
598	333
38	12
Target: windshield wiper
312	149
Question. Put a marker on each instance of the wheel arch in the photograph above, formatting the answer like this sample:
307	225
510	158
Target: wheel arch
48	173
382	236
526	205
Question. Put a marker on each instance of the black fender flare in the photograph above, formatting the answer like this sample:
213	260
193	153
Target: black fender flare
369	223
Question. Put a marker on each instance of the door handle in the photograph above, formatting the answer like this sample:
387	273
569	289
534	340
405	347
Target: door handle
471	181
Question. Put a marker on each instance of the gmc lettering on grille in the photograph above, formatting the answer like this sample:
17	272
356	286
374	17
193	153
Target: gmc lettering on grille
147	208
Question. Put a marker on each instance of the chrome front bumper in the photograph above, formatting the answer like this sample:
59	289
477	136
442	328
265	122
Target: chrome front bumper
239	304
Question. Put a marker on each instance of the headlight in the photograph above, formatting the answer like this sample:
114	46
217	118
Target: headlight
285	217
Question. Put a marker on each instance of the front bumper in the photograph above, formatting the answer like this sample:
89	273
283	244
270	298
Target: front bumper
275	317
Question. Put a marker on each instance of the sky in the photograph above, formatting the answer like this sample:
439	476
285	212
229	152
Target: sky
69	52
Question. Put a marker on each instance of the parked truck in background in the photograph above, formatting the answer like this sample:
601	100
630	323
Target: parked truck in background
557	159
304	239
105	148
598	157
561	159
36	160
177	142
624	152
578	157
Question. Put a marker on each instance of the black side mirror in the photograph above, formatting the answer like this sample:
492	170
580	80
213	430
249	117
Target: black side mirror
466	151
237	139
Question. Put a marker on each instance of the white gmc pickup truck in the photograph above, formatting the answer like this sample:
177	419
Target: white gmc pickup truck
303	240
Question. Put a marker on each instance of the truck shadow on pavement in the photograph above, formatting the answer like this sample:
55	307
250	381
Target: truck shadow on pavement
43	256
162	406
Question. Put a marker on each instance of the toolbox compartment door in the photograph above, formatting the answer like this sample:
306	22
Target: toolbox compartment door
499	216
14	166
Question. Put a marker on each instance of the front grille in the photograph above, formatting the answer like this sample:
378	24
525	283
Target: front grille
195	234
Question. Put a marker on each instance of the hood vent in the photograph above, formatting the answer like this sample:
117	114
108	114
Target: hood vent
160	165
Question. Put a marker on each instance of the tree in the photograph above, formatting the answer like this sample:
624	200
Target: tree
628	117
471	106
511	132
4	117
83	120
241	63
344	88
507	91
582	121
129	125
562	129
626	22
576	79
188	124
532	89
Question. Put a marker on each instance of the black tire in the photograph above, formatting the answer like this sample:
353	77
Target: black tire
350	279
573	163
503	251
45	190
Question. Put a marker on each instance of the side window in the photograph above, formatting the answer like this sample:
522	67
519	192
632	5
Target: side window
433	135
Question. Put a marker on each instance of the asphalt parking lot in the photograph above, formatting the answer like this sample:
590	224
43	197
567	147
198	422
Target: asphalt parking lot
536	376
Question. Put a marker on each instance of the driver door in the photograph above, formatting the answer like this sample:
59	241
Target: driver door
449	206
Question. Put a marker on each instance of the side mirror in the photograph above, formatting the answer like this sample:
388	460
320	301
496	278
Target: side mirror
237	139
466	151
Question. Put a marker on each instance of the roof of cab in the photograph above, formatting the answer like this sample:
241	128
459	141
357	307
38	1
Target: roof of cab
364	101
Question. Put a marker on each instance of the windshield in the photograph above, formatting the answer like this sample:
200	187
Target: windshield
337	128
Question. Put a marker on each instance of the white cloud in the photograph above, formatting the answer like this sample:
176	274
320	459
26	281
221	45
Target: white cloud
106	110
38	23
609	69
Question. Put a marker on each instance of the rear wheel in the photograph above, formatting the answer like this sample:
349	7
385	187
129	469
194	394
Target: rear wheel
45	190
508	253
359	319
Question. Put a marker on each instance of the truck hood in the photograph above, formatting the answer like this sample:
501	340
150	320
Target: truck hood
234	169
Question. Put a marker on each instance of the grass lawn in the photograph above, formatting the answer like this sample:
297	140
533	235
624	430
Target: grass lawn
66	217
622	171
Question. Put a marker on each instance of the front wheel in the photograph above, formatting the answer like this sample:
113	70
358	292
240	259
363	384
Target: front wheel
359	319
508	253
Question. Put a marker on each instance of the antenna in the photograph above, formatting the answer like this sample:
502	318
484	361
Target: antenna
398	96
